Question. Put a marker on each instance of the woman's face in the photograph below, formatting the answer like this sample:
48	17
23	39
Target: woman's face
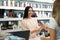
30	12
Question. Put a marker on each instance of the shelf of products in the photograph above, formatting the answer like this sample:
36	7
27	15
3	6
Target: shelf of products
23	8
18	8
22	4
18	19
10	19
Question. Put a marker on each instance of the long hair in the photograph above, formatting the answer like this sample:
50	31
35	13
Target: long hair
26	12
56	11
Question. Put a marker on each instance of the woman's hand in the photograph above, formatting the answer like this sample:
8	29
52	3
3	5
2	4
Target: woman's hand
43	26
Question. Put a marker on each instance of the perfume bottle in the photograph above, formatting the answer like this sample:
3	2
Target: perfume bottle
13	2
21	4
5	15
4	3
17	4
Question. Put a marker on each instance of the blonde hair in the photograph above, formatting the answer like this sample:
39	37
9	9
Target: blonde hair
56	11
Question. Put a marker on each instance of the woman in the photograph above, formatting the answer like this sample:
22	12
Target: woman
29	23
55	22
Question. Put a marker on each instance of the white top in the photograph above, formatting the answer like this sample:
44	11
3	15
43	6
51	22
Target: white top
30	24
52	24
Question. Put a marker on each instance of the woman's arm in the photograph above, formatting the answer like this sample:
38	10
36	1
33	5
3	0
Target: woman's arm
52	34
36	30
